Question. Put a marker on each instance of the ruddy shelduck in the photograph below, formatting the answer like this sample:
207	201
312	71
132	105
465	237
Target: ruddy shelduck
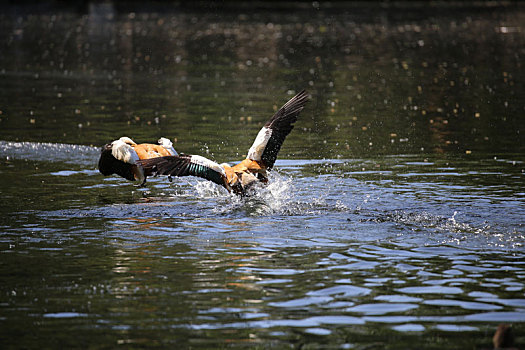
121	157
254	169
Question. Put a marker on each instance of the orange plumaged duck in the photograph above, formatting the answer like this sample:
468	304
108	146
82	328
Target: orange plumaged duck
254	169
121	157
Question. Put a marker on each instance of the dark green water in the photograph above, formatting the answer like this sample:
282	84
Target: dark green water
394	219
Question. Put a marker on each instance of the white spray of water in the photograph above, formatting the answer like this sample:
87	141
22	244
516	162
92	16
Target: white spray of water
279	197
208	189
453	218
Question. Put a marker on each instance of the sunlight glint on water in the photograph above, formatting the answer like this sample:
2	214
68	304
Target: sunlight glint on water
394	217
351	248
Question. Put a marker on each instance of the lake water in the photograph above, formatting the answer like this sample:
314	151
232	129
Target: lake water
394	219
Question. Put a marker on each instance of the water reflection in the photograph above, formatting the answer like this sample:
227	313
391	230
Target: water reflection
395	213
382	84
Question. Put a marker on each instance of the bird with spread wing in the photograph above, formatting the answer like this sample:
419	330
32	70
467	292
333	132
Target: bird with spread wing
240	177
121	156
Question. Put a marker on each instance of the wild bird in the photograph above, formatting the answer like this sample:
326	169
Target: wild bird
121	156
254	169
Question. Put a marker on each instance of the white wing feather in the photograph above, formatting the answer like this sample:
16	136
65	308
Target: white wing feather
257	149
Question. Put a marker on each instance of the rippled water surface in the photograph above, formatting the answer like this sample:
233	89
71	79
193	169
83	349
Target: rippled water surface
394	218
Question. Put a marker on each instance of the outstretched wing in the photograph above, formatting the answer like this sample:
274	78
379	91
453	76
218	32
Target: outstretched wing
271	137
185	165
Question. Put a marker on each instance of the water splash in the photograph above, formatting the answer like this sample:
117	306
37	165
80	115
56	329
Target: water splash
50	152
208	189
279	197
453	218
438	222
454	229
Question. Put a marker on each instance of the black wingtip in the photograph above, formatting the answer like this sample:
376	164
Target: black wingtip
282	124
302	95
299	99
